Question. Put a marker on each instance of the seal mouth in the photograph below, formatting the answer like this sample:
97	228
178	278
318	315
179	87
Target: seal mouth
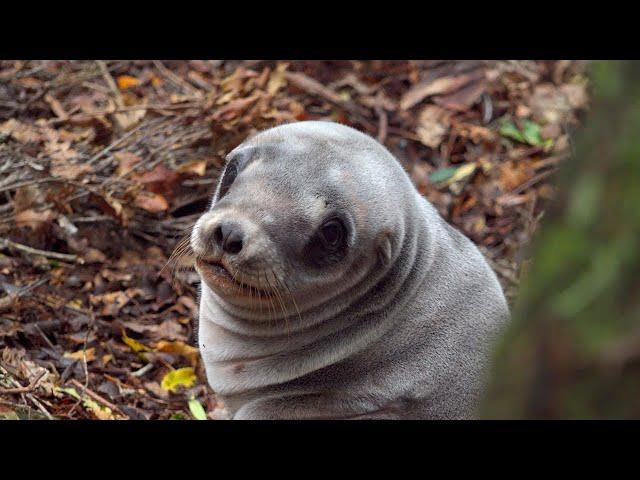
219	277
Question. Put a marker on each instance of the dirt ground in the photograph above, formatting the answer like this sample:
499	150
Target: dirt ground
104	167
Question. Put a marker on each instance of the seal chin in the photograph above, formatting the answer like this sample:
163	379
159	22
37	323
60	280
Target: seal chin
219	278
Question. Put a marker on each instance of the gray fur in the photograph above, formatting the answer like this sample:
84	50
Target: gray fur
399	329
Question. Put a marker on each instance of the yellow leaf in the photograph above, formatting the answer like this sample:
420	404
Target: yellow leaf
102	413
462	172
75	303
127	81
135	345
106	359
197	167
180	348
175	378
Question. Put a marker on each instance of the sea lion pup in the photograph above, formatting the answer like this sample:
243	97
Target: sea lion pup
332	289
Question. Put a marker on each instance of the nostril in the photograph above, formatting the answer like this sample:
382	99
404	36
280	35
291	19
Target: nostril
229	236
233	246
217	235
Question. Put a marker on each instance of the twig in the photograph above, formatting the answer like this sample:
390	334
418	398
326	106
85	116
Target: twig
176	79
117	142
30	388
96	397
111	82
532	181
6	243
383	121
313	87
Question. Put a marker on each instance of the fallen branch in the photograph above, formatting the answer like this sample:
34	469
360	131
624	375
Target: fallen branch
6	243
30	388
96	397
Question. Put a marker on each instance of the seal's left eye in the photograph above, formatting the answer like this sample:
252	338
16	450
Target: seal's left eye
229	176
332	232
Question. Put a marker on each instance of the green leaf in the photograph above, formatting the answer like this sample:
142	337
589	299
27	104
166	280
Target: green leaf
509	130
531	133
185	377
452	174
196	409
442	174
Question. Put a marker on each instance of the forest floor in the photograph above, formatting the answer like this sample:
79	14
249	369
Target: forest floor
104	167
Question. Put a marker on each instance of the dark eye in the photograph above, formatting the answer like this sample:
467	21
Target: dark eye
228	177
332	232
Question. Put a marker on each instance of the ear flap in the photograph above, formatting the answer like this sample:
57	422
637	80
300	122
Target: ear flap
384	247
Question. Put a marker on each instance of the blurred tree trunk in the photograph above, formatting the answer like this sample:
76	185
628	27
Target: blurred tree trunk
573	348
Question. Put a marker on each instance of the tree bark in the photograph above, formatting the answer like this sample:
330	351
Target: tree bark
573	347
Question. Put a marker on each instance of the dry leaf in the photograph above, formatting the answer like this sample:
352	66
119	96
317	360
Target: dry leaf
182	377
433	124
197	167
128	120
126	162
134	344
180	348
438	86
79	355
70	171
33	219
127	81
151	202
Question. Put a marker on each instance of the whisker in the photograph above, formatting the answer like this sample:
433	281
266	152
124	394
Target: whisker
279	298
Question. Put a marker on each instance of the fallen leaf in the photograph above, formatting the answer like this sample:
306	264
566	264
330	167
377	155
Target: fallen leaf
126	162
433	124
450	175
79	355
277	79
180	348
196	409
464	98
70	171
128	120
184	377
529	134
33	219
134	344
437	86
113	301
127	81
151	202
102	413
197	167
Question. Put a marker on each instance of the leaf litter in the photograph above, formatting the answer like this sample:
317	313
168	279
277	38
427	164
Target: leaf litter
106	165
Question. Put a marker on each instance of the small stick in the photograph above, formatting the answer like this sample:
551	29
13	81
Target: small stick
96	397
30	388
5	242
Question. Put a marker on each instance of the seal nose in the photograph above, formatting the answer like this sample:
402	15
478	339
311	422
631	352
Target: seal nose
229	236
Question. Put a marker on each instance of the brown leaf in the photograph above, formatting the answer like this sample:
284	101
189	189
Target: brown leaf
70	171
160	180
433	124
21	132
464	98
34	219
127	81
126	162
79	355
151	202
197	167
438	86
